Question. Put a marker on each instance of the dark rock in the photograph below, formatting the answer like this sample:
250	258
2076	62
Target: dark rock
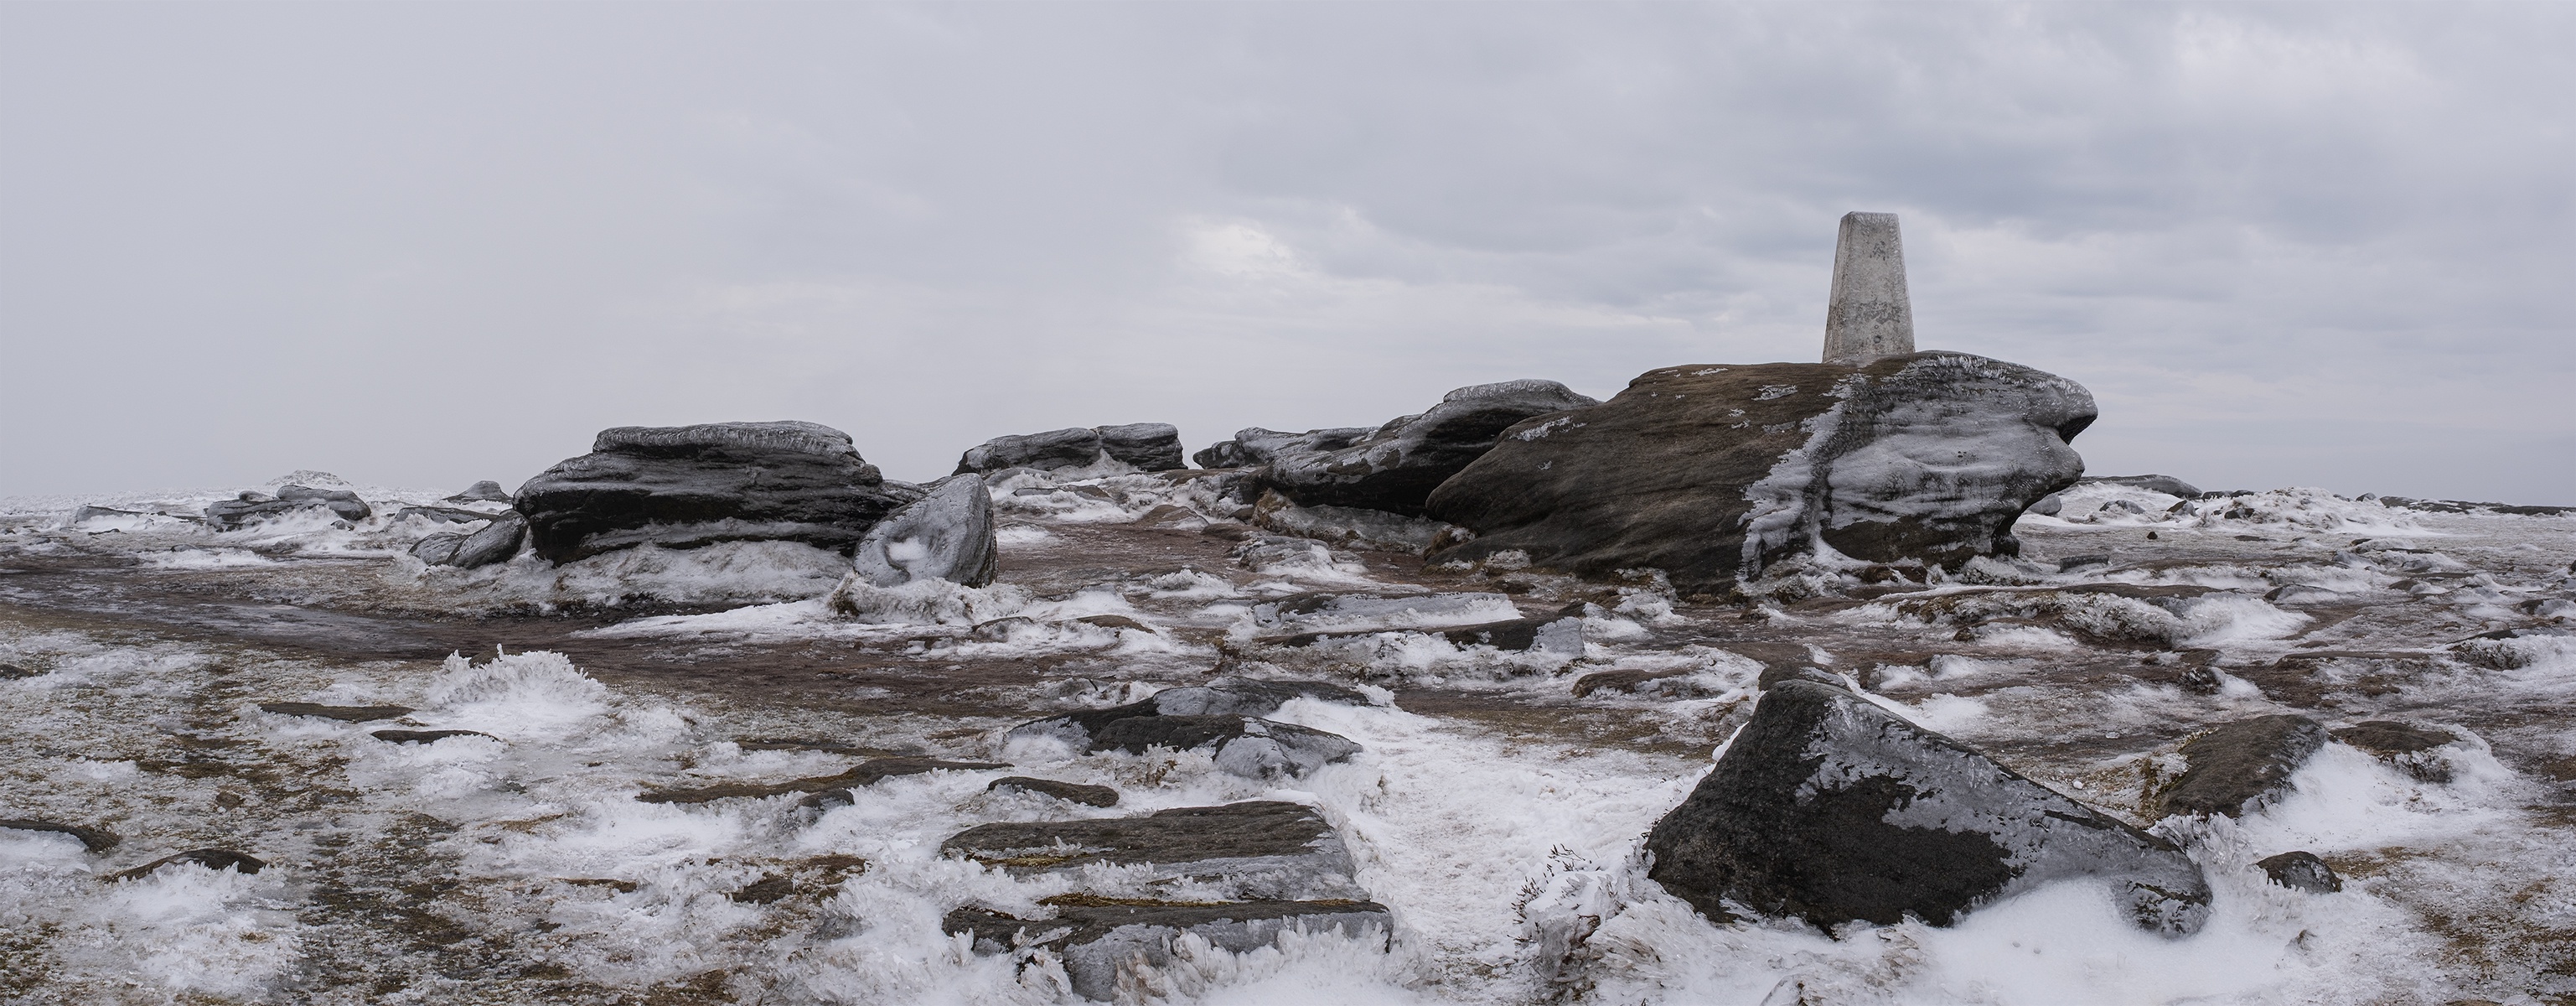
1561	633
1100	940
2202	679
2413	749
493	543
1221	696
691	486
1829	808
345	714
2301	871
212	859
770	887
1222	454
2075	562
1269	848
92	839
252	507
1097	796
1775	673
946	535
443	514
1115	622
1068	448
425	736
1395	467
11	672
1151	447
1352	527
1708	473
2165	484
2238	767
867	774
486	491
1247	746
1323	611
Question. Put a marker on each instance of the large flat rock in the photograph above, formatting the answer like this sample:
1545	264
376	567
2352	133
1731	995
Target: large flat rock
691	486
1269	849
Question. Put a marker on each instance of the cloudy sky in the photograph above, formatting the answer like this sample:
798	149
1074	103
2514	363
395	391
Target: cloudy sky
422	245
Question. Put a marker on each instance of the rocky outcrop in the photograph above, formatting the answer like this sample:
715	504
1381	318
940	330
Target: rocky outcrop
486	491
1256	446
2239	767
1152	447
1832	809
1714	472
1395	467
691	486
946	535
251	507
496	542
1352	527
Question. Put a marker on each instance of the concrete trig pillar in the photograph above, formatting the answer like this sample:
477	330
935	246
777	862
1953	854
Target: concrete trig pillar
1870	316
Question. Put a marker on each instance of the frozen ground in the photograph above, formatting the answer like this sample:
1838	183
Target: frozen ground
1495	812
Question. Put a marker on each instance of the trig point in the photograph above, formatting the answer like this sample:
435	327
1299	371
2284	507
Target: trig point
1870	316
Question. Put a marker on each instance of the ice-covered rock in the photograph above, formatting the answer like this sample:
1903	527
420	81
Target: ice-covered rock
495	542
1253	445
2240	766
1264	849
1832	809
92	839
212	859
946	535
1151	447
1103	943
1075	792
1317	611
1395	467
251	507
2165	484
486	491
2301	871
691	486
1714	472
1224	713
2414	749
1352	527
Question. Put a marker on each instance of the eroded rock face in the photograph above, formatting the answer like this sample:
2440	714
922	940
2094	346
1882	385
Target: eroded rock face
1711	472
1831	809
691	486
1152	447
947	535
1395	467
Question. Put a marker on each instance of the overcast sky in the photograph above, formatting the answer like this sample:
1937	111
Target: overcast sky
423	245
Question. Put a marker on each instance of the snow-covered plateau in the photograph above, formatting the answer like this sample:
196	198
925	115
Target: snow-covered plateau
645	776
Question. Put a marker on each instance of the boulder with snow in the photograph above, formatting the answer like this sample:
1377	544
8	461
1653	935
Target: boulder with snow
691	486
1254	446
1395	467
1152	447
495	542
2240	766
1102	941
1832	809
486	491
251	507
946	535
2165	484
1709	473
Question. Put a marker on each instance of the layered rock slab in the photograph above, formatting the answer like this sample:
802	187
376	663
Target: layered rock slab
1152	447
1713	472
1395	467
1263	849
692	486
1832	809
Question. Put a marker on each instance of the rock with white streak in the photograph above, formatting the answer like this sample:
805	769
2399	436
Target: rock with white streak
946	535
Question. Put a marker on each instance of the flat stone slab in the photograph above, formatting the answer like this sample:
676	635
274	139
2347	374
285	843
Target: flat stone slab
345	714
1270	849
1099	938
425	736
2412	748
1083	793
92	839
212	859
2238	767
868	774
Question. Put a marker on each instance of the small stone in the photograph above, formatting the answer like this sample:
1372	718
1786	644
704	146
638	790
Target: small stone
1097	796
1104	942
425	736
212	859
1115	622
11	672
769	888
2415	750
2302	871
345	714
486	491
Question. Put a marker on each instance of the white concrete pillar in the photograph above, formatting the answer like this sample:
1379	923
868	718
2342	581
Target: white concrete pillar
1870	316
